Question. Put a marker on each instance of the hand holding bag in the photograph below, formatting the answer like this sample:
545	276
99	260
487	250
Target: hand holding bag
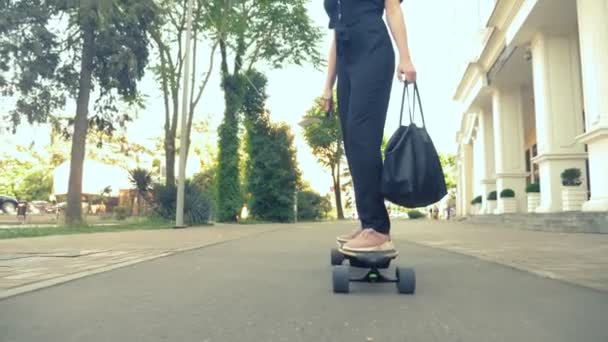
412	175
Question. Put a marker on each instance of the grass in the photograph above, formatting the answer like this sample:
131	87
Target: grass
149	224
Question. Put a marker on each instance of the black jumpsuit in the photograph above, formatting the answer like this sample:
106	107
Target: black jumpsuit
365	69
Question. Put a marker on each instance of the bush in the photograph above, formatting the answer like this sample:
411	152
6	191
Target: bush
533	188
476	200
197	206
492	196
415	214
312	206
571	177
507	193
121	213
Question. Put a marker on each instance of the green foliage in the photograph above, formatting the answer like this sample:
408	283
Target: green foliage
37	185
476	200
448	163
40	55
415	214
507	193
571	177
271	168
25	174
312	206
230	198
197	206
141	180
205	182
533	188
272	31
121	213
492	196
324	136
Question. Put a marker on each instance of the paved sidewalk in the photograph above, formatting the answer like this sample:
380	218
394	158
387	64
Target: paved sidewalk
33	263
577	258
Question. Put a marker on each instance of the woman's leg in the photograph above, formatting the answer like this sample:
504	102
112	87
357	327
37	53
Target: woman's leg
365	130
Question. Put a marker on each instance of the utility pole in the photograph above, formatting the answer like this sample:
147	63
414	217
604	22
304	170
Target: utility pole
181	179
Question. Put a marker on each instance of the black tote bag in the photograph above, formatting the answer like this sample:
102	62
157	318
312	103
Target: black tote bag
412	175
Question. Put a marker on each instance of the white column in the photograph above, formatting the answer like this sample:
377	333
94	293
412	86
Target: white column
559	114
593	35
461	206
478	163
485	138
458	203
467	176
507	107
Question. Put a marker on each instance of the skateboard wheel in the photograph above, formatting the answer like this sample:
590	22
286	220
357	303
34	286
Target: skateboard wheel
340	279
406	280
336	257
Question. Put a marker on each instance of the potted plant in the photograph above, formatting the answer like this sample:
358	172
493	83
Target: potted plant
533	194
491	206
573	194
476	204
507	201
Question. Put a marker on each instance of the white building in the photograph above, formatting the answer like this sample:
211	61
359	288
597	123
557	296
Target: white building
533	97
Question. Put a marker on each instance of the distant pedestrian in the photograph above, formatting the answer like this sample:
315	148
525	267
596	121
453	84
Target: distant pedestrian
21	212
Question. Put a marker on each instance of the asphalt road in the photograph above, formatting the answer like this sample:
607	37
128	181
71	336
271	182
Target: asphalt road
277	287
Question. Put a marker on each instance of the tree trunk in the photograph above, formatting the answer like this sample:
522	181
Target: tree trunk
74	205
337	192
169	158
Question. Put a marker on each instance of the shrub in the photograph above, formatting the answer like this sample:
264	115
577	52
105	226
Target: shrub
476	200
312	206
197	205
492	196
571	177
507	193
533	188
415	214
121	212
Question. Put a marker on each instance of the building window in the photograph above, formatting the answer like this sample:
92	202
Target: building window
535	172
532	168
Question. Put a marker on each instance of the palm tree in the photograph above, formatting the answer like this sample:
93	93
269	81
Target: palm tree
142	182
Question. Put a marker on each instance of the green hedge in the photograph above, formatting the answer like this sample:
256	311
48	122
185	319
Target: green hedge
507	193
476	200
571	177
533	188
415	214
492	196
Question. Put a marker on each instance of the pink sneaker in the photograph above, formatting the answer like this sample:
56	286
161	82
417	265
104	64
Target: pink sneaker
349	236
370	240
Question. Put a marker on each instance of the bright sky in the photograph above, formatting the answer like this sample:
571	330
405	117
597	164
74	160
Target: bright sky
292	89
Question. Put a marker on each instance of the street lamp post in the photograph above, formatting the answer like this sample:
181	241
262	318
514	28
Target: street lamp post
179	219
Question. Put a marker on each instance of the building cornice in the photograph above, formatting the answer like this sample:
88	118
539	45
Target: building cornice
558	156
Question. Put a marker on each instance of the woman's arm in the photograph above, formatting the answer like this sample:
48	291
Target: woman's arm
331	77
396	22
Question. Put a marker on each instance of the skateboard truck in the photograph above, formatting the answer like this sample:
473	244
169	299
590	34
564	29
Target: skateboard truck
405	278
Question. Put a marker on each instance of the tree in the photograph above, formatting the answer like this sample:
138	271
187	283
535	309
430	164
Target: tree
101	44
168	39
250	31
142	182
324	136
448	163
270	169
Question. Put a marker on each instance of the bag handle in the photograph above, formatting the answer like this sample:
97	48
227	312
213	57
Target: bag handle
416	99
